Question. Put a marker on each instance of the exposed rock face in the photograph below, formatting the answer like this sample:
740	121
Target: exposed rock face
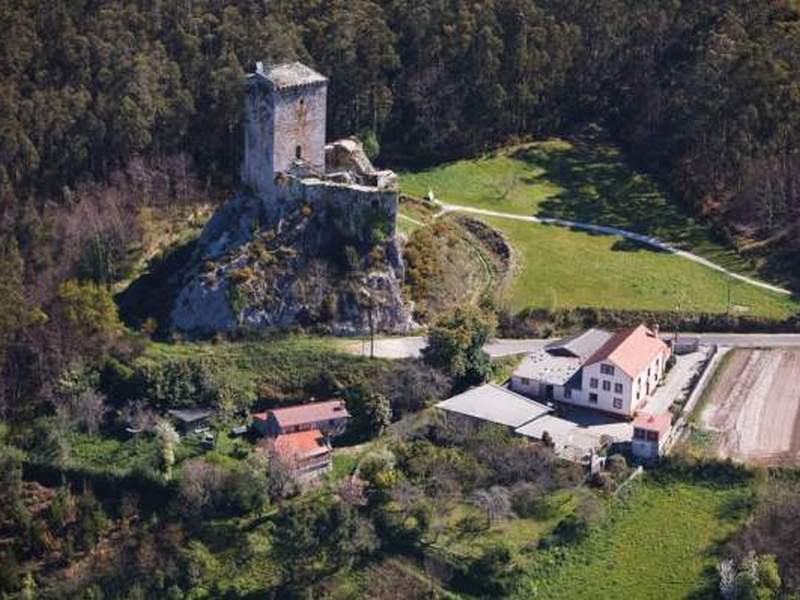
311	239
319	254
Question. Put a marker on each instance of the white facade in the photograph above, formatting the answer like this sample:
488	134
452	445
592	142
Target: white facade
604	386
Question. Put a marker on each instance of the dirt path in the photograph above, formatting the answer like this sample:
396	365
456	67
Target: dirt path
630	235
756	406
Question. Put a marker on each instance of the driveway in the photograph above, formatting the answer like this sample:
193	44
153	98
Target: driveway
677	383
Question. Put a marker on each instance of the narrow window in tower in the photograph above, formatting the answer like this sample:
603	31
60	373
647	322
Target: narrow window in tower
298	152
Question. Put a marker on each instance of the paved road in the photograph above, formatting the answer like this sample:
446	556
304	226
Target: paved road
637	237
411	346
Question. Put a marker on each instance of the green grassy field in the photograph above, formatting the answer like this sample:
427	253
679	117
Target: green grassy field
582	180
587	180
660	542
560	268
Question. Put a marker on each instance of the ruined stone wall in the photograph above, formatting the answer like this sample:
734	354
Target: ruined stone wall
360	213
300	122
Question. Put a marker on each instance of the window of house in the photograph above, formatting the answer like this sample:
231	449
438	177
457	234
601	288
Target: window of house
298	152
592	398
593	382
525	381
652	436
617	388
618	403
639	434
607	370
606	386
567	393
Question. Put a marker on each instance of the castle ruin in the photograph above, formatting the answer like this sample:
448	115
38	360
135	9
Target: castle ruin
306	208
284	132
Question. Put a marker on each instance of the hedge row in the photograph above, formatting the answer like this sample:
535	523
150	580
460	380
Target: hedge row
535	322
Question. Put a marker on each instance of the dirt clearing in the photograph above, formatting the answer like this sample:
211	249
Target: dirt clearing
755	407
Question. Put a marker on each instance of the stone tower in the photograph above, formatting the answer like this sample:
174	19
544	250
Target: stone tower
284	120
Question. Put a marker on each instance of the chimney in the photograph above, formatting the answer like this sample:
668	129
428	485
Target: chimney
260	67
656	330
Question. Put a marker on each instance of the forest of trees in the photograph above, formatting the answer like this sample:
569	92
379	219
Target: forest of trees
112	111
706	93
109	107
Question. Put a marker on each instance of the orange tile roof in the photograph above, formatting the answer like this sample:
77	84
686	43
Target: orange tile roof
660	423
303	444
310	413
632	350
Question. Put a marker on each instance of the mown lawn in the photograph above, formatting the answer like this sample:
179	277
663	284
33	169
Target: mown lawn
660	541
560	268
585	179
588	180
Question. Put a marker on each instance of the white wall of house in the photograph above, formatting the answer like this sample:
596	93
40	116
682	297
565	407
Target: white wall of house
608	388
647	381
646	447
536	389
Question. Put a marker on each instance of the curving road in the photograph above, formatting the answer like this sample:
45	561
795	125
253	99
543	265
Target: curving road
637	237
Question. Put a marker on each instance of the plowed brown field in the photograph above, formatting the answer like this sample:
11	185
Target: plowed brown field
755	406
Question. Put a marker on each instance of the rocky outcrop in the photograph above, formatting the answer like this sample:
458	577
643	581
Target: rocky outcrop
318	254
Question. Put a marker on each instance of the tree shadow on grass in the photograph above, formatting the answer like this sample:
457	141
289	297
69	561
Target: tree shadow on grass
598	187
626	245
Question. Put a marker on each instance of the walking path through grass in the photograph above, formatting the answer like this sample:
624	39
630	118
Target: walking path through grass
636	237
652	255
585	179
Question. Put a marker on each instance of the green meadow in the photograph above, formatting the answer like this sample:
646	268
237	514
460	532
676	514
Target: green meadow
587	180
658	541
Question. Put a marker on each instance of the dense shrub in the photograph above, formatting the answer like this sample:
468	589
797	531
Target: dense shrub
175	383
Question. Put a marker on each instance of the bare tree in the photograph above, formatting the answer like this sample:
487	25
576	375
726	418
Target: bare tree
495	502
88	410
351	491
200	486
282	480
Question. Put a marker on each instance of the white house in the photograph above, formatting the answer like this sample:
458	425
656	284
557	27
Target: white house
614	373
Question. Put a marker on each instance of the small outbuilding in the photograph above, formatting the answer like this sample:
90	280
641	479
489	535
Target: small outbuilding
191	419
650	435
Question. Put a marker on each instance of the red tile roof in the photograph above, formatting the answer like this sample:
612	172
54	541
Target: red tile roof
310	413
660	423
632	350
303	444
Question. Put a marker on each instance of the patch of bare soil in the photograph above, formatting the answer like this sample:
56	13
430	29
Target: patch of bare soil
756	407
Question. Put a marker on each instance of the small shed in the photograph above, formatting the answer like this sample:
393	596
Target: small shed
191	419
650	435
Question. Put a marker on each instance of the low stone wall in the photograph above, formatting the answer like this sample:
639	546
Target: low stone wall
708	370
